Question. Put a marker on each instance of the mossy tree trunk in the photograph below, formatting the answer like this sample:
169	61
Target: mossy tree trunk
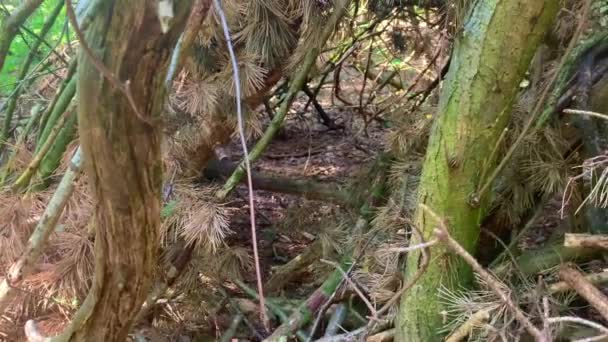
122	158
490	58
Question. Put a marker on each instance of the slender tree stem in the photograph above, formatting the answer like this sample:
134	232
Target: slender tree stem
11	26
12	103
25	178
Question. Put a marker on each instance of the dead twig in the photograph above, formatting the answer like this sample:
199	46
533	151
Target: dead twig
424	263
586	112
493	283
585	289
580	321
561	286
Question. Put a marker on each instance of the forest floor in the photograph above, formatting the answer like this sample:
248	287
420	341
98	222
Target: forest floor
287	224
200	309
305	149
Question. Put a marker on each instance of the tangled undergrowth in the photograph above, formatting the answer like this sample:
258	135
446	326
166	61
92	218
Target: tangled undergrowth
375	92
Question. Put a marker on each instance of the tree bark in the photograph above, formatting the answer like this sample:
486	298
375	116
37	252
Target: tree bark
489	60
121	142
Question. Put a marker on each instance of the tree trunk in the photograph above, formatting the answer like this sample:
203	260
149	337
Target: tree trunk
121	148
489	60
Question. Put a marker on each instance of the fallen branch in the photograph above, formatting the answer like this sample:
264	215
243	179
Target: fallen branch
537	260
237	310
585	289
336	320
231	331
273	307
287	272
307	310
586	112
347	337
562	286
356	335
309	189
353	285
384	336
572	240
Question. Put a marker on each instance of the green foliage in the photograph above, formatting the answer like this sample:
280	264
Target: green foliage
20	46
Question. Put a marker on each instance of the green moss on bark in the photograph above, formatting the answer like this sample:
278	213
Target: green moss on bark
490	57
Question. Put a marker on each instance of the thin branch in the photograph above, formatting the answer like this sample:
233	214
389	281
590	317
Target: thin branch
562	286
592	339
411	248
336	320
365	73
231	331
424	264
586	112
24	179
98	64
241	129
352	284
493	283
578	320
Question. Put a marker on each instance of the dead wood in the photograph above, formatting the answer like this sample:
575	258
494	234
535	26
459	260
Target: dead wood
585	289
